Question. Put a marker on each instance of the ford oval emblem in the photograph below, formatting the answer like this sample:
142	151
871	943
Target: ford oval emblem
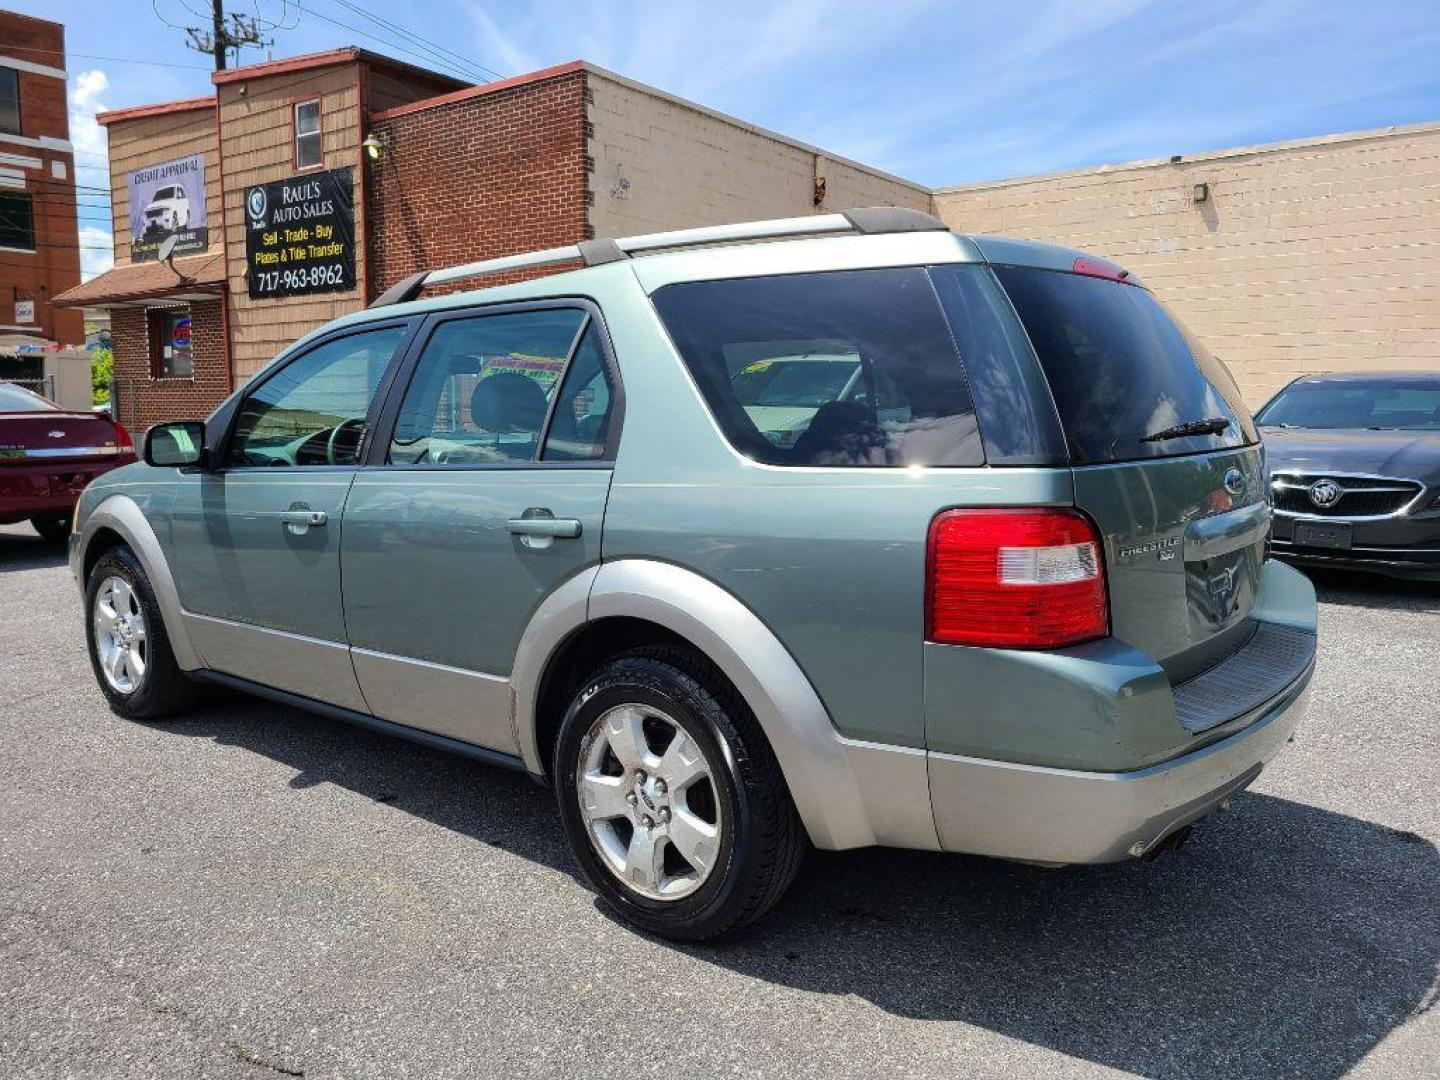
1235	482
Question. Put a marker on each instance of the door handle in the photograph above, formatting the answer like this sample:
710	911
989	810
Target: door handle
551	527
298	521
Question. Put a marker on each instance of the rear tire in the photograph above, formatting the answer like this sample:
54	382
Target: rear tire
53	528
673	802
129	650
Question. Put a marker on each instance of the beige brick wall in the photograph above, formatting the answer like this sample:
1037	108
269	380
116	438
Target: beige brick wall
664	163
150	140
1308	256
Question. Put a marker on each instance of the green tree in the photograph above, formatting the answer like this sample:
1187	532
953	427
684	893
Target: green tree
102	369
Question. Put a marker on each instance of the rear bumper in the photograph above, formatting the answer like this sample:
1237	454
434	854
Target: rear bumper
1051	815
50	488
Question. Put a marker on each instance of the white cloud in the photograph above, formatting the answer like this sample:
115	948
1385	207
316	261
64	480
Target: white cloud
92	168
93	260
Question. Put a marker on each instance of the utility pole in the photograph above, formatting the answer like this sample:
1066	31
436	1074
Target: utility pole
226	33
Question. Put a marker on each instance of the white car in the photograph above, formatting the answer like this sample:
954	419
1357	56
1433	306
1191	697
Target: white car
168	211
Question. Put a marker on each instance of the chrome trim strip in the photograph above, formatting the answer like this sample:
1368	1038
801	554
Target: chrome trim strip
311	667
1278	478
430	664
454	702
62	452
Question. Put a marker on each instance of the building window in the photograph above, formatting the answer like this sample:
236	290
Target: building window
10	100
307	135
17	221
172	351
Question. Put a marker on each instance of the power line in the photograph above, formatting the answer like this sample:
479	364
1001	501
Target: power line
435	46
429	58
8	49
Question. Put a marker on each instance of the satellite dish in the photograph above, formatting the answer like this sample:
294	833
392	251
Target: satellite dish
167	247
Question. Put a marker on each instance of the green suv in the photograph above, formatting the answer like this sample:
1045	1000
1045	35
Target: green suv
834	531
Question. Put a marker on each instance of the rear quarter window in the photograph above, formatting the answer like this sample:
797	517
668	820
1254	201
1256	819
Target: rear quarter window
1121	368
848	368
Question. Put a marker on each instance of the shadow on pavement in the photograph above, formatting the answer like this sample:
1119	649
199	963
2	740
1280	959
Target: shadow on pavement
1354	589
1283	939
22	549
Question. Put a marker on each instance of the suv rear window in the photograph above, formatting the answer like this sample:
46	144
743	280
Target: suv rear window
1120	368
848	368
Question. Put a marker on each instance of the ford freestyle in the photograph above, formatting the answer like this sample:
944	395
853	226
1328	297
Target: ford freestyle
835	531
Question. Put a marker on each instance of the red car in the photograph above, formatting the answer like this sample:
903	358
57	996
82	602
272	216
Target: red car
47	456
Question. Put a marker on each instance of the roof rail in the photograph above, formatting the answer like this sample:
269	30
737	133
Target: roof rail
867	220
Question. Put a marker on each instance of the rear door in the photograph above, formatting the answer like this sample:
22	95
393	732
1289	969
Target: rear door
487	490
1166	460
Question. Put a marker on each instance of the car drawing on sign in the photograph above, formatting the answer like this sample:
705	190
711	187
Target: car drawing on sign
168	211
48	455
1354	463
991	578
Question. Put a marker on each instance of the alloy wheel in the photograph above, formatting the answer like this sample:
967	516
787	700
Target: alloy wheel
120	635
649	801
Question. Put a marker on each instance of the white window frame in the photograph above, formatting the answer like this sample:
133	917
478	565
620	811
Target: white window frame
317	135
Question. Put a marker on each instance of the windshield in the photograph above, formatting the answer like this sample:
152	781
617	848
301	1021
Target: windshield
1128	382
1379	404
14	399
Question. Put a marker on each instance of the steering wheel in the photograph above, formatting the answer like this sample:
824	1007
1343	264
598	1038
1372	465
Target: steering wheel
333	442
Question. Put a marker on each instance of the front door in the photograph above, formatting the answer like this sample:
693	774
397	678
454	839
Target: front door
255	545
487	490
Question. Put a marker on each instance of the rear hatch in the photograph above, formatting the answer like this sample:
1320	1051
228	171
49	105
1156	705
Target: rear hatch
1165	457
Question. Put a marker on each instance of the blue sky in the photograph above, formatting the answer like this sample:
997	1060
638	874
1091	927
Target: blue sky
939	91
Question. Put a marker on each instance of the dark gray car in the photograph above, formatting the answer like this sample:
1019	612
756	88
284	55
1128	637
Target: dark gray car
1355	471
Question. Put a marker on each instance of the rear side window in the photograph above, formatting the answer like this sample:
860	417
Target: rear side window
1121	369
850	368
482	389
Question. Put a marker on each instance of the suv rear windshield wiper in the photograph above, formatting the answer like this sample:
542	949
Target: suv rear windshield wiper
1213	426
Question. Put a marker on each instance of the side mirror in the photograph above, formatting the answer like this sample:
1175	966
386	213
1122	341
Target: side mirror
177	445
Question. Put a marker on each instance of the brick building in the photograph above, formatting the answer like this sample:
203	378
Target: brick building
39	234
1285	259
1314	255
452	173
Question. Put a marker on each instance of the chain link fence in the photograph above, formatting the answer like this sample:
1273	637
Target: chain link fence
44	386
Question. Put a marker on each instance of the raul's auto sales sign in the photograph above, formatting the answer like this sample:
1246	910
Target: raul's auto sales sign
300	235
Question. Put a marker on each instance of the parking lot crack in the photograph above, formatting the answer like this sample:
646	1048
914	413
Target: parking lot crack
248	1057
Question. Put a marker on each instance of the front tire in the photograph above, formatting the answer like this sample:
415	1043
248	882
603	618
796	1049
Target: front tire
129	649
672	800
53	528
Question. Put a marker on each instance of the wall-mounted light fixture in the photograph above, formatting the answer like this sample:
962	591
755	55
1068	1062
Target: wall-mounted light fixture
1201	193
373	146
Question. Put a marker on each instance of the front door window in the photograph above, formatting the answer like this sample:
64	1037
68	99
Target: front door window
312	412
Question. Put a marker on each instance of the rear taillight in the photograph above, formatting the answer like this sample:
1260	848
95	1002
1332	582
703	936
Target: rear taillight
1019	579
123	441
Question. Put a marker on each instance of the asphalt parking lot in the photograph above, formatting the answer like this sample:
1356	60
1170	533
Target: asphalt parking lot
255	892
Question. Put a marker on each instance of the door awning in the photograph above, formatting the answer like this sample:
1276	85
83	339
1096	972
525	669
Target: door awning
194	277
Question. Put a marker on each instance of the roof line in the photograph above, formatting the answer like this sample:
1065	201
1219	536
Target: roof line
1258	150
468	92
349	54
135	112
820	151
